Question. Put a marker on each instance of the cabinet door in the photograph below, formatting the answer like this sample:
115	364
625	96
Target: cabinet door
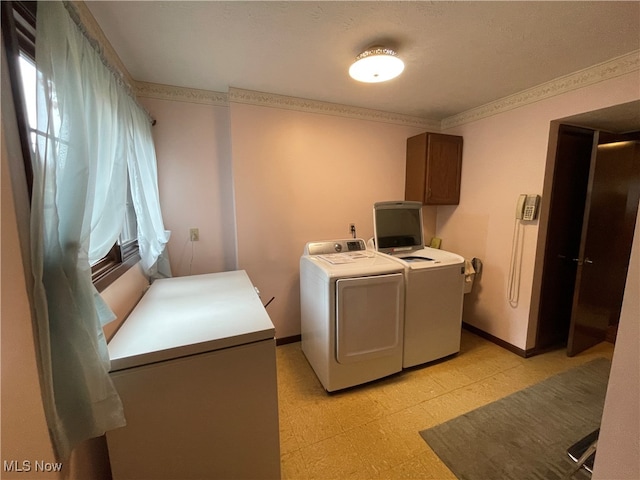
444	166
414	185
434	165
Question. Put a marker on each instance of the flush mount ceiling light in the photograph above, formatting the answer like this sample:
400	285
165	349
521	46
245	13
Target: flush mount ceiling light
377	64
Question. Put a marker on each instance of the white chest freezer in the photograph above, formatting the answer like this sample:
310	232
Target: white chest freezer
194	364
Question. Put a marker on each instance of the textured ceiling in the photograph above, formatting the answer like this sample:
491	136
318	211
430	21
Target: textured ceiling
458	55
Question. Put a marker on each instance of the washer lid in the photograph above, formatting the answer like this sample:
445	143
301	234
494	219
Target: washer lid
397	226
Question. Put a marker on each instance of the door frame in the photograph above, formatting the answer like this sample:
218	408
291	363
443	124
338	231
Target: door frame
589	120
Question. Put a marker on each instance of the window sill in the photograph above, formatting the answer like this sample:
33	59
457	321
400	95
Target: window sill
110	273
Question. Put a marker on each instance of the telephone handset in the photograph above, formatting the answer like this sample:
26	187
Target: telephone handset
527	208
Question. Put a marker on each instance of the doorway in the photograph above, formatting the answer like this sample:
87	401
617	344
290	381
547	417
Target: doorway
593	205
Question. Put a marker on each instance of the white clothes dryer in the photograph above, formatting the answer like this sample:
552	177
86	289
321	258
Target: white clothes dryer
434	283
352	312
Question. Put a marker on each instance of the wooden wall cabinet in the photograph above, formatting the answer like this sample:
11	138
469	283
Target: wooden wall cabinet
434	166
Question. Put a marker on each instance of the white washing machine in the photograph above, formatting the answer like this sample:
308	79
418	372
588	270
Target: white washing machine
352	312
434	283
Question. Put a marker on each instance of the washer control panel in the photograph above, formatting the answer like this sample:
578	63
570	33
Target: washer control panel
335	246
356	245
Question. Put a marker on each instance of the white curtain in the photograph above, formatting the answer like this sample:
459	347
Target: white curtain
152	237
92	131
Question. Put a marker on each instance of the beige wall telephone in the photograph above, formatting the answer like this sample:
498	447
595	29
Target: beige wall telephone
527	208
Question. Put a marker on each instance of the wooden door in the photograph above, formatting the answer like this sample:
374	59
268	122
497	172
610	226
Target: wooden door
607	234
564	230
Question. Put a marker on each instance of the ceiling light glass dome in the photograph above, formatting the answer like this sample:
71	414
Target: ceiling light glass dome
377	64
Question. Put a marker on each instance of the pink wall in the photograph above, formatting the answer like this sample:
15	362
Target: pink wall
300	177
285	177
505	155
619	441
195	184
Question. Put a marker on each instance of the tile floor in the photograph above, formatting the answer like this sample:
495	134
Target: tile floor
371	431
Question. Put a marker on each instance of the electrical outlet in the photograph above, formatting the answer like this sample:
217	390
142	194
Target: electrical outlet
194	234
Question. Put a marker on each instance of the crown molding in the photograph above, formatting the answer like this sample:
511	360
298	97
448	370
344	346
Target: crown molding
603	71
93	30
250	97
181	94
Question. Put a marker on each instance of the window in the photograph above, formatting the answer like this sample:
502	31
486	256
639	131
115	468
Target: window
18	25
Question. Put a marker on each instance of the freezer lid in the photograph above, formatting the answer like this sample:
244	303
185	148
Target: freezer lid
184	316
